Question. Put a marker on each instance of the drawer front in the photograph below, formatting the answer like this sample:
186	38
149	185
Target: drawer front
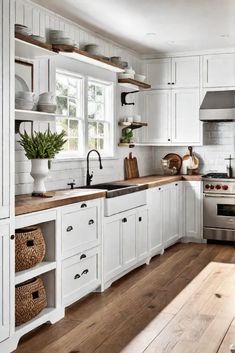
79	230
80	275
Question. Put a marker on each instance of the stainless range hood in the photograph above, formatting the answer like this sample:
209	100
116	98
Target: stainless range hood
218	106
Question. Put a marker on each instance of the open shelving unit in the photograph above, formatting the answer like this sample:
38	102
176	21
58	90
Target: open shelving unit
132	125
82	55
28	48
22	116
37	270
129	82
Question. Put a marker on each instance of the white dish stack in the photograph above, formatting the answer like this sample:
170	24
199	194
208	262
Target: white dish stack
60	37
46	103
23	29
24	100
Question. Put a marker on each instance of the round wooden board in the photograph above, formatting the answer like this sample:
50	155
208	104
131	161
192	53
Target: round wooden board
175	160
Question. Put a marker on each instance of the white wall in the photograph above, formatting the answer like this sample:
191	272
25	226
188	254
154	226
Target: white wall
219	139
63	171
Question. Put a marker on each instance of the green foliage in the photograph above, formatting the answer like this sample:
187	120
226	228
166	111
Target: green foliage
42	145
127	134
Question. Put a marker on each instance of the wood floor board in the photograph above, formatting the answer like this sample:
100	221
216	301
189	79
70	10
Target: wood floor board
139	306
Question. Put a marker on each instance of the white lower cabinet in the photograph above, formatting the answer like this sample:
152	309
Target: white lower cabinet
80	275
155	220
193	210
125	242
4	282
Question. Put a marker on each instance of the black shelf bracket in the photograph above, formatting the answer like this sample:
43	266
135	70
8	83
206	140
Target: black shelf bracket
123	98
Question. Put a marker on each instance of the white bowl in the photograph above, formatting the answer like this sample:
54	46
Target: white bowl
57	34
140	78
92	49
26	95
129	70
47	108
121	76
24	106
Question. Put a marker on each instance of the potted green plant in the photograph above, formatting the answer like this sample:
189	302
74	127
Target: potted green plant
127	135
40	148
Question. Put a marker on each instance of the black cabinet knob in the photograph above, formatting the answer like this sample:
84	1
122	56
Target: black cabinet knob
176	184
168	83
12	236
124	220
169	139
69	229
172	83
83	205
91	221
159	188
140	219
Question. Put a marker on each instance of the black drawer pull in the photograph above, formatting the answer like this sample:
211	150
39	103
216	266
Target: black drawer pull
85	272
77	276
83	205
69	228
91	221
83	256
140	219
124	220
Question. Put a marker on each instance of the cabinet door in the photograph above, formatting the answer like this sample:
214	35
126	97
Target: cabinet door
192	209
186	72
4	282
155	221
171	213
112	247
219	70
6	118
186	126
159	73
142	234
157	115
129	246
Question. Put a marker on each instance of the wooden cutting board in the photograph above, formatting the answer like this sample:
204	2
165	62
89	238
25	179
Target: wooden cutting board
131	167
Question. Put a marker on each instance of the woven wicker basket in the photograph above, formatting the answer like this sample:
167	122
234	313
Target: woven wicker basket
30	300
29	247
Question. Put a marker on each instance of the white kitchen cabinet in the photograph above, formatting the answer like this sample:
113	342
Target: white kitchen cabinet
171	214
158	116
155	222
158	73
186	126
4	281
186	72
219	70
142	234
192	210
129	246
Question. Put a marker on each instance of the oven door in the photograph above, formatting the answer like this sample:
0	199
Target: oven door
219	211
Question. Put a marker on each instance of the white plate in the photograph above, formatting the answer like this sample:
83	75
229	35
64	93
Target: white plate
20	84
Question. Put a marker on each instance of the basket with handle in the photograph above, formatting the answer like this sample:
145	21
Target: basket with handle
30	300
30	247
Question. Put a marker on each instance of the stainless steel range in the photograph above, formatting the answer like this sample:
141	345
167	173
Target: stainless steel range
218	206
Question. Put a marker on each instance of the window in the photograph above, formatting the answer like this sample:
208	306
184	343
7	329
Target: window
70	110
90	130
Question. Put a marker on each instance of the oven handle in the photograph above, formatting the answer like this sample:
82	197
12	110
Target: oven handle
220	196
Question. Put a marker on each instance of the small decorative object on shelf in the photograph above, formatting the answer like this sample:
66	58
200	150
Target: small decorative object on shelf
30	300
40	148
30	247
127	135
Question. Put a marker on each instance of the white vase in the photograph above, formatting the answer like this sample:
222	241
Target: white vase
39	172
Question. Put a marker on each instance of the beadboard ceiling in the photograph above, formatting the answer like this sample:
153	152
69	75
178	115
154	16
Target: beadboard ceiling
155	26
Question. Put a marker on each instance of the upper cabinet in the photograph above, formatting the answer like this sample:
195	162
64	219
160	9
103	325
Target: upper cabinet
219	70
181	72
186	72
159	73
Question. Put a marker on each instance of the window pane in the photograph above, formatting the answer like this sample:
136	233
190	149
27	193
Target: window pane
61	85
73	144
92	143
92	129
73	107
91	91
101	129
99	94
73	128
62	105
91	110
99	114
62	124
72	89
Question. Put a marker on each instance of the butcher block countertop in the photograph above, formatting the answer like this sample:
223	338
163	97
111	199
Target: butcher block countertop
27	204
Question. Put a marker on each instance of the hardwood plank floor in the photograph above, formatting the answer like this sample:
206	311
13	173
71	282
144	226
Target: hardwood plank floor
107	322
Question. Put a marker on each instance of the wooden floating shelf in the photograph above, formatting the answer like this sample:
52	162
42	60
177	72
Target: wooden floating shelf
130	145
134	82
132	125
81	55
29	48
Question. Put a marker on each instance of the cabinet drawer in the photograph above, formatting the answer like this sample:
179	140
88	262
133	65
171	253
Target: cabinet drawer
80	275
79	229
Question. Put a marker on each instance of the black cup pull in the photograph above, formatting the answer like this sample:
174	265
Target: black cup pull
83	205
85	272
69	228
91	221
77	276
30	243
140	219
83	256
35	295
124	220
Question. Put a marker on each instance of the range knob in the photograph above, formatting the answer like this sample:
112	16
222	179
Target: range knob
212	187
218	187
207	186
225	187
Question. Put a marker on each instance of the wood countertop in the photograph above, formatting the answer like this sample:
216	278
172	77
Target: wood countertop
27	204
